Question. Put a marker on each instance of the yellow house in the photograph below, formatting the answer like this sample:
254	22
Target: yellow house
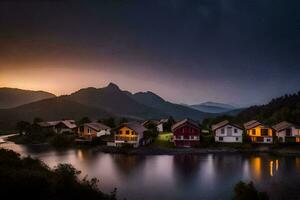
130	134
259	133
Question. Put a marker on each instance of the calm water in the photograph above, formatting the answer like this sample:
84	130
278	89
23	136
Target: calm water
209	176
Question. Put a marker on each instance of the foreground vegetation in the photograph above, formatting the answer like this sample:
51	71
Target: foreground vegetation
247	191
32	179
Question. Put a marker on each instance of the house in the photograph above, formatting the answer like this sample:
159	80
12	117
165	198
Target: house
62	126
227	132
287	132
259	133
164	125
131	134
93	130
186	133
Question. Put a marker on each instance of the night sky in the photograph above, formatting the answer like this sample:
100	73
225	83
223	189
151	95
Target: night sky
231	51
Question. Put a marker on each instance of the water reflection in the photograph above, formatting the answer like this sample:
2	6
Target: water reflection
180	176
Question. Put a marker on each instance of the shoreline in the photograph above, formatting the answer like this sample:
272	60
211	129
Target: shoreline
145	151
286	150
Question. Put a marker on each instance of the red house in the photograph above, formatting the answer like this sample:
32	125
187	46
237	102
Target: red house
186	133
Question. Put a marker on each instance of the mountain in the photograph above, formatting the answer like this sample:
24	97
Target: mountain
177	111
114	100
12	97
213	107
48	109
97	103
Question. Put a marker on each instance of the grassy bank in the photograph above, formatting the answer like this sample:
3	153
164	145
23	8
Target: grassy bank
163	140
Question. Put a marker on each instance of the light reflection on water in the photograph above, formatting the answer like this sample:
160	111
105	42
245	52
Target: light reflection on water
207	176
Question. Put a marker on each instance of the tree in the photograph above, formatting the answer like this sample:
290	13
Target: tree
123	120
37	120
168	125
244	191
22	127
108	122
84	120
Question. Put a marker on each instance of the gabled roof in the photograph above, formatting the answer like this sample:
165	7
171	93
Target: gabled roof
224	123
254	123
284	125
150	121
135	126
178	124
68	123
96	126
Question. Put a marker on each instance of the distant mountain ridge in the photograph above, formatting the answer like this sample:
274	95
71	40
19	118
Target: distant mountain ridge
213	107
97	103
13	97
177	111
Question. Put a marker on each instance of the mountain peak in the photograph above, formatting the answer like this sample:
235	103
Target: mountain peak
113	86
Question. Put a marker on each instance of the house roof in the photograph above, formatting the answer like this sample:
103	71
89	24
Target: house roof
135	126
68	123
284	125
156	122
165	120
224	123
254	123
187	120
97	126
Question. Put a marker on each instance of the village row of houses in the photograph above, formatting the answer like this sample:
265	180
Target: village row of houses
186	133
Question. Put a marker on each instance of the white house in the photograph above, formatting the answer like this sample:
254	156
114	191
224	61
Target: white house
227	132
287	132
163	124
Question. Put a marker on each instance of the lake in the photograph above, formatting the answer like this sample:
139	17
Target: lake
207	176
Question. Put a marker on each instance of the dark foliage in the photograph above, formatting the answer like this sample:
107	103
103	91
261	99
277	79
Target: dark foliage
110	121
62	140
284	108
29	178
83	121
244	191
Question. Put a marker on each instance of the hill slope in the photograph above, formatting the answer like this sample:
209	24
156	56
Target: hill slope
48	109
177	111
12	97
286	107
213	107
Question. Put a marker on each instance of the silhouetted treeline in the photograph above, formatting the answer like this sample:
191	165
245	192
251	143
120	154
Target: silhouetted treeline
284	108
29	178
